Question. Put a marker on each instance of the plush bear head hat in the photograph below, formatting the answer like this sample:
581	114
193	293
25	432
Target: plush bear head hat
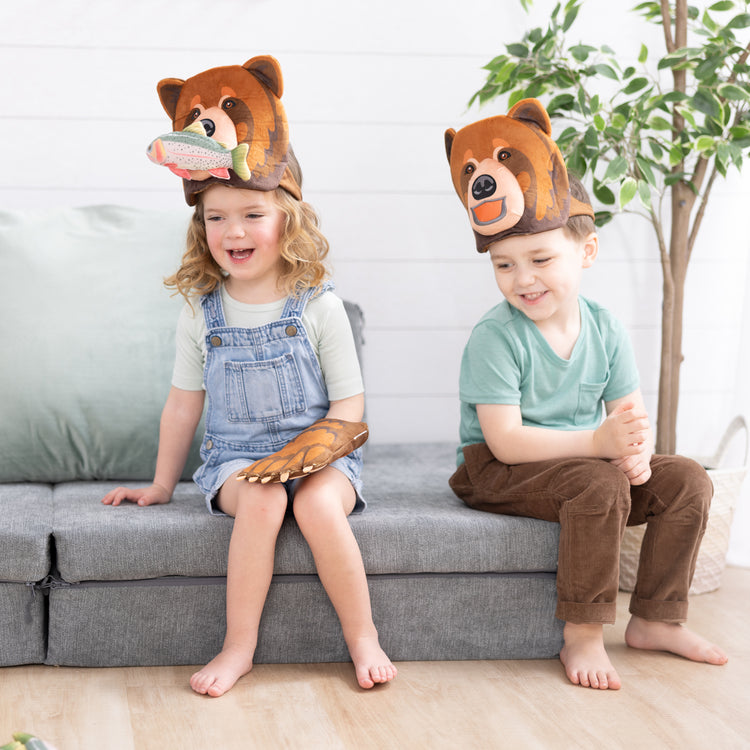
510	175
229	128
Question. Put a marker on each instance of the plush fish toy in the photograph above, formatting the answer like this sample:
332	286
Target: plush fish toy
190	150
25	741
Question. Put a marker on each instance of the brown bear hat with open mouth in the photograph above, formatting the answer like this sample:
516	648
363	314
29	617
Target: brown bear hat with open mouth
510	175
229	127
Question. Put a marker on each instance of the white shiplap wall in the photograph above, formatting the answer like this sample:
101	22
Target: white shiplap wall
369	90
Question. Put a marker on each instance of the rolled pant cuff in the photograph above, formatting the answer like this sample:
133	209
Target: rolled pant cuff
658	611
592	612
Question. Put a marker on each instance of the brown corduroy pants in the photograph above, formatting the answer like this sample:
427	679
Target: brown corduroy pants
593	502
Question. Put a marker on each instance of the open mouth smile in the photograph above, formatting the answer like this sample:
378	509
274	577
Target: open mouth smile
532	297
240	254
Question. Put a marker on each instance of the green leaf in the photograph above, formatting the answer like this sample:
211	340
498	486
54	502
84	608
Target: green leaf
581	52
706	102
603	194
644	193
742	21
505	72
635	85
607	71
675	155
643	55
733	92
705	143
656	150
627	191
517	50
570	16
645	170
723	5
599	122
561	101
616	169
659	123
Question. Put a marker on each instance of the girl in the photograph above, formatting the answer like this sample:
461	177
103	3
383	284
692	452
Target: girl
255	262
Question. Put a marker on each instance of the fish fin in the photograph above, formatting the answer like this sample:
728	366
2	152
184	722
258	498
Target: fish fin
195	127
239	161
221	172
184	173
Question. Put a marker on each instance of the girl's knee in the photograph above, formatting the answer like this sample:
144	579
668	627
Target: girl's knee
261	502
323	499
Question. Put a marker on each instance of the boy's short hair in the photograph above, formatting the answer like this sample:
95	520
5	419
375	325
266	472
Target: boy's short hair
579	227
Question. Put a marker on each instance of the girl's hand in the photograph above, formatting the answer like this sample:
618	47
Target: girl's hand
153	495
624	432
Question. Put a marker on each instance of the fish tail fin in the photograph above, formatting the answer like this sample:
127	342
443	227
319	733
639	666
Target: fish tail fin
239	161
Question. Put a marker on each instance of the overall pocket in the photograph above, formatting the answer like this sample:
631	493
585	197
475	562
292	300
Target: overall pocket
263	391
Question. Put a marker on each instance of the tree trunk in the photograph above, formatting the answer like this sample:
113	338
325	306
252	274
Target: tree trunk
675	271
683	200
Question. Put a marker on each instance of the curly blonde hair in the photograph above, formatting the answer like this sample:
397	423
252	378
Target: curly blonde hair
304	249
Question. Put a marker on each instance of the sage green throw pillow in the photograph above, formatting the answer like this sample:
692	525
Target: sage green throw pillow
88	341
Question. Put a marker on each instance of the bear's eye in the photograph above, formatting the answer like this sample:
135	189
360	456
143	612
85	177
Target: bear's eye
469	169
503	155
228	104
194	114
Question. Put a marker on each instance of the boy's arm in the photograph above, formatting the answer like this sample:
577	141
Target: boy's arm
636	467
179	420
622	434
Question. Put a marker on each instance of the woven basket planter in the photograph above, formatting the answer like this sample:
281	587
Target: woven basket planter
713	551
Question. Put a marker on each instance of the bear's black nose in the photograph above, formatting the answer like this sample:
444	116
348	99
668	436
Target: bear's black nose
209	126
484	186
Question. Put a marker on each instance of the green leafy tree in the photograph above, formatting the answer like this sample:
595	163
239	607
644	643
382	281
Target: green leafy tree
651	137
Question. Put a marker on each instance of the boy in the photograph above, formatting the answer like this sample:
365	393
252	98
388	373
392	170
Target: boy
534	375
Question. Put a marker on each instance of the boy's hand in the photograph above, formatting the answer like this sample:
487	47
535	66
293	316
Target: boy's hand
153	495
636	468
623	433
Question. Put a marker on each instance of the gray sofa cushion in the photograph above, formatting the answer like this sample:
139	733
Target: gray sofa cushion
414	524
25	530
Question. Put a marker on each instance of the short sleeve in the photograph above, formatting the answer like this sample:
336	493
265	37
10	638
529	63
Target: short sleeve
190	355
333	341
623	370
490	368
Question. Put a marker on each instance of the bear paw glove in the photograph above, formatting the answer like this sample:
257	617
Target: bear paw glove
313	449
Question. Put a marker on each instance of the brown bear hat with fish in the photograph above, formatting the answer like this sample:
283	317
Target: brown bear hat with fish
229	128
510	175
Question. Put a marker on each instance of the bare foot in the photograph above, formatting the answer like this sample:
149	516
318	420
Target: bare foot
673	637
371	665
584	658
220	674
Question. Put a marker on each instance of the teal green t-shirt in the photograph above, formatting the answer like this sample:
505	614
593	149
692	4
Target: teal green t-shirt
508	361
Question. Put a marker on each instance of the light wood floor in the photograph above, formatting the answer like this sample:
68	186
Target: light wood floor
665	702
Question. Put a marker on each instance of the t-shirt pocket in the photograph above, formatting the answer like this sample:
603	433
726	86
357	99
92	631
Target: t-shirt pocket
589	411
263	391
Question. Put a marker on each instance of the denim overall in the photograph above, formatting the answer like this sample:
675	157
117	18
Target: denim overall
264	387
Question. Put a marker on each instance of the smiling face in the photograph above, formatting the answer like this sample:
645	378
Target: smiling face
540	274
243	232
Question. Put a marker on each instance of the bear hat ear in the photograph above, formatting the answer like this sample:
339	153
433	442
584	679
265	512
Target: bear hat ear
450	134
169	92
267	70
532	112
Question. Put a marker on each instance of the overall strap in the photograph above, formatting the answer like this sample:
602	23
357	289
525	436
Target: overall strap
295	306
213	312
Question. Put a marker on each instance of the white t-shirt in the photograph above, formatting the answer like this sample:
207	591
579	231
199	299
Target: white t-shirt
324	319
